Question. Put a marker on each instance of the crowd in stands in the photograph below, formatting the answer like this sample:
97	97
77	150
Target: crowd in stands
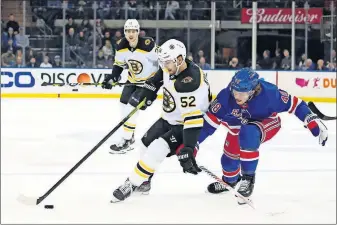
80	37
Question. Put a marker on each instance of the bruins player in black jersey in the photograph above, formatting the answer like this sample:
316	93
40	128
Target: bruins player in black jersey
186	96
138	56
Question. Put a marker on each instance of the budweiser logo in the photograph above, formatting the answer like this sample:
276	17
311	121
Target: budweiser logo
282	16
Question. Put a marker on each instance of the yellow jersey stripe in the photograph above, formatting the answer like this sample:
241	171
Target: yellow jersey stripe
194	122
194	113
140	173
141	51
142	164
123	50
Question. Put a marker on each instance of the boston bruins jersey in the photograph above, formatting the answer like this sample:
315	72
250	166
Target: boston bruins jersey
185	98
141	61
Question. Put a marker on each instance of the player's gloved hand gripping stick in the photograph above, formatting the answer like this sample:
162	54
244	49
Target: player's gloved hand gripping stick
35	201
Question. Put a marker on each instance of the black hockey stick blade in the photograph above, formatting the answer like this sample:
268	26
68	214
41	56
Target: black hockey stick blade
315	110
35	201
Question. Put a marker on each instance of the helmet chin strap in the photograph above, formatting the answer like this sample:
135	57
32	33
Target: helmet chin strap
172	77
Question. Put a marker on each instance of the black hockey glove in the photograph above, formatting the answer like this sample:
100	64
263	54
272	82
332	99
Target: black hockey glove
149	91
106	83
115	76
187	161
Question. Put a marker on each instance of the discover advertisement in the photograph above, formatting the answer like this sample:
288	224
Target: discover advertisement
27	83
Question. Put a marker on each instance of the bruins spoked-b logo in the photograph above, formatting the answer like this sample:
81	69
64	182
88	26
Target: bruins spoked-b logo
135	66
169	104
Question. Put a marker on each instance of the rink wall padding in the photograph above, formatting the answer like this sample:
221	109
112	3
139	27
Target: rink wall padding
26	83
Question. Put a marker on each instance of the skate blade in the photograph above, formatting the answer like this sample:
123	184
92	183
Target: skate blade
121	152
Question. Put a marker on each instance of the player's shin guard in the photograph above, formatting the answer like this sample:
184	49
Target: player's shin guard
150	161
130	125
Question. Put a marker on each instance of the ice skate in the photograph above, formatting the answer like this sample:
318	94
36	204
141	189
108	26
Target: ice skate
217	187
246	187
144	188
123	192
123	146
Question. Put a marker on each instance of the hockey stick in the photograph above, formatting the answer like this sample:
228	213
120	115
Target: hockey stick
232	190
315	110
35	201
88	84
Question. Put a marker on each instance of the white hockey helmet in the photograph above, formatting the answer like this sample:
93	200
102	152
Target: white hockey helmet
131	24
171	50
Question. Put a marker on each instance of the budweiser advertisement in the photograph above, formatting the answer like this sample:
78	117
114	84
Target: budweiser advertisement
281	15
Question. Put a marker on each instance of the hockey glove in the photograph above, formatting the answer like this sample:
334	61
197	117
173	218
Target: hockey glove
149	91
317	127
106	84
187	161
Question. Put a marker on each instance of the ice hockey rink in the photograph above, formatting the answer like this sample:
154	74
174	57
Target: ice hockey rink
41	139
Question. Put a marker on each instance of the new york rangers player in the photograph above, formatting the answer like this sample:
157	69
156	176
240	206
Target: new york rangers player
249	108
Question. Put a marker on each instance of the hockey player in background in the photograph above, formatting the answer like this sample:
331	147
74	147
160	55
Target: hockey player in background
186	97
138	56
248	107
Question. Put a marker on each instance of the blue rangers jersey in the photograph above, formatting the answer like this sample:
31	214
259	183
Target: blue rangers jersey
267	102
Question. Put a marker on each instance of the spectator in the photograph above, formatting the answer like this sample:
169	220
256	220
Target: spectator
45	63
266	63
142	33
86	27
118	36
107	49
98	41
57	62
32	63
132	9
22	40
10	45
302	61
72	42
106	37
200	54
286	61
320	65
104	9
234	63
170	10
99	28
147	7
19	63
100	61
309	65
8	59
331	67
30	54
81	39
203	65
277	59
13	24
19	53
70	25
6	36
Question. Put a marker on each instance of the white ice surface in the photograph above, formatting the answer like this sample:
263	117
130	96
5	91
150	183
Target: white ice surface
42	139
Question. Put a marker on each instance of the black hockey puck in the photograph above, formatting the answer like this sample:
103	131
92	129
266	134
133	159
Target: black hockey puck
49	206
75	89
